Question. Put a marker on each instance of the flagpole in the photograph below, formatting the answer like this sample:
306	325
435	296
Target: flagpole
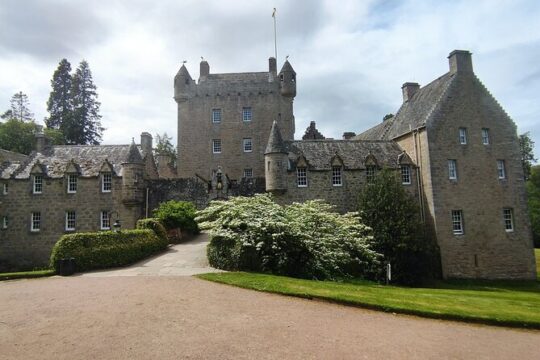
275	34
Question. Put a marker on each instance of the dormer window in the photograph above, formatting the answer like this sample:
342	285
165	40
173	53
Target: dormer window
405	174
301	176
72	183
37	186
337	179
106	182
370	173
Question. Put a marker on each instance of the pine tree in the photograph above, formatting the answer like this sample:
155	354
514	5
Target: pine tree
60	104
19	107
84	127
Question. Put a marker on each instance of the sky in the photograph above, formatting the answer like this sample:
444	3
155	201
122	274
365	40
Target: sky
351	57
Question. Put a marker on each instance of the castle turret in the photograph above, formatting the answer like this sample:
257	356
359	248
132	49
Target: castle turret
182	82
204	70
132	177
275	158
287	78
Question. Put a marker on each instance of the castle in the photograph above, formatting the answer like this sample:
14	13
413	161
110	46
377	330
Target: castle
452	144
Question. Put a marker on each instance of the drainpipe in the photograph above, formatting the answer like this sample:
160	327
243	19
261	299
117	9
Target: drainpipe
146	207
418	176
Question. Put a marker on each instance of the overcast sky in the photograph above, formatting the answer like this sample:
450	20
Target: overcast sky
351	57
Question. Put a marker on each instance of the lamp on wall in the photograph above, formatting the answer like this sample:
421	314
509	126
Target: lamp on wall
116	226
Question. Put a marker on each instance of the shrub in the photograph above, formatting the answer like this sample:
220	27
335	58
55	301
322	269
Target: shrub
106	249
177	214
305	240
155	225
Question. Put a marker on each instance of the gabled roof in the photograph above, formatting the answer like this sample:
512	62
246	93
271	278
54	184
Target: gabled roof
11	156
134	155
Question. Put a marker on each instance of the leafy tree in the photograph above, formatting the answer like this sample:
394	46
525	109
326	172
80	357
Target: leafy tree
7	115
19	136
177	214
526	146
56	137
164	146
20	107
60	103
533	192
394	216
84	127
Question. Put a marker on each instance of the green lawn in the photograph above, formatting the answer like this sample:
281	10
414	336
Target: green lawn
26	274
498	303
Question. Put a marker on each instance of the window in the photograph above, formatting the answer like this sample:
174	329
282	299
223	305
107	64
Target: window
35	221
248	173
463	136
508	217
216	116
246	114
501	171
5	189
370	173
216	146
301	176
336	176
106	182
72	183
38	184
405	174
485	136
452	169
248	145
70	220
457	222
105	221
4	222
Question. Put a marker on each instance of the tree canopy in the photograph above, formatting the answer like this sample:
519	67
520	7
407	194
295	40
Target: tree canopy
60	103
164	146
533	192
19	136
20	108
526	145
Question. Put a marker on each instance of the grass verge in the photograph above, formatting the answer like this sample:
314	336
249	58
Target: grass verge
495	303
26	274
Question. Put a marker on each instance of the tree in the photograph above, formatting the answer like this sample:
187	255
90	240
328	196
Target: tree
533	199
20	107
84	127
60	103
526	146
19	136
164	146
399	235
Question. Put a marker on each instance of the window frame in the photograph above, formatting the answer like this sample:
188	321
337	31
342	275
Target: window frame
501	169
248	173
5	188
247	114
215	142
104	218
35	219
508	219
452	169
245	143
5	222
371	171
462	135
457	219
337	175
70	177
37	184
216	116
301	176
485	136
103	182
70	220
405	175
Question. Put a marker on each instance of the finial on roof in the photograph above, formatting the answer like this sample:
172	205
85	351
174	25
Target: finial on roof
184	61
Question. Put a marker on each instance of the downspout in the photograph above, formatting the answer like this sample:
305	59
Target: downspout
146	207
418	176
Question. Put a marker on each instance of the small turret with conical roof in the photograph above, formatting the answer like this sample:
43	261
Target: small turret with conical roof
287	78
275	157
133	176
182	83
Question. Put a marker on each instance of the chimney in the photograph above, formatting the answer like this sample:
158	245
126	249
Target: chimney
460	61
146	143
272	65
409	89
42	143
348	135
204	69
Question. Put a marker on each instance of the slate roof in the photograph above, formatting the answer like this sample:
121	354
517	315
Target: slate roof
6	155
89	158
413	113
319	153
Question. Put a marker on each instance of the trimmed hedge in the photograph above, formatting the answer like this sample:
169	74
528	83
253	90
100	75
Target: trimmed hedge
107	249
155	225
177	214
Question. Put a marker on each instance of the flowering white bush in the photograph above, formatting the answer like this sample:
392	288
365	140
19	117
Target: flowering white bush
305	240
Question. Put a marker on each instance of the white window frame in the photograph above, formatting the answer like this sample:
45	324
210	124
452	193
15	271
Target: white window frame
247	114
216	116
501	170
72	183
216	146
301	176
5	188
248	145
452	169
457	222
37	184
370	173
4	222
248	173
508	218
104	220
485	136
337	176
35	221
106	178
405	174
71	220
463	136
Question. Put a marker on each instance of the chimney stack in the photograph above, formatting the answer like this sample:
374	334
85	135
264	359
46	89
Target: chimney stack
409	89
272	65
42	143
348	135
146	143
460	61
204	69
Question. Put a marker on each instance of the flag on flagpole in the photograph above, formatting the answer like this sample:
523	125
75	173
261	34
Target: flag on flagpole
274	13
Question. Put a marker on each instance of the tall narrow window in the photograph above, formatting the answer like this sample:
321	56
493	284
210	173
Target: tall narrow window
70	220
4	222
216	116
463	136
106	182
248	145
406	174
370	173
452	169
501	170
246	114
105	221
301	176
35	221
508	217
72	183
457	222
5	188
337	179
38	184
216	146
485	136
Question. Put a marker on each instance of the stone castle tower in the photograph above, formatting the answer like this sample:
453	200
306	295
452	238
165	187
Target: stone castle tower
224	120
